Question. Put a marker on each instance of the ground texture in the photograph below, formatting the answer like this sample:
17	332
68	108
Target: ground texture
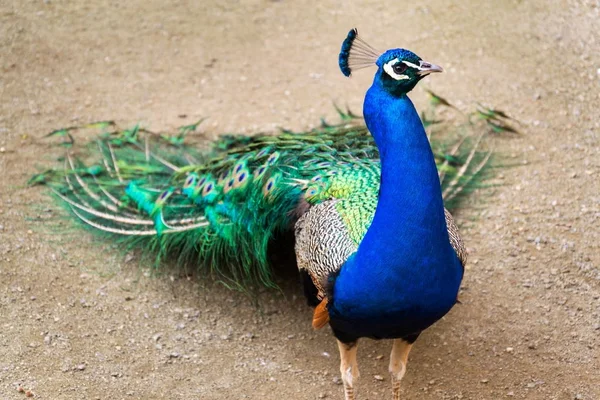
80	321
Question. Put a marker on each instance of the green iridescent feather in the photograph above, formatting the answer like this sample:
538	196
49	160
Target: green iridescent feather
220	208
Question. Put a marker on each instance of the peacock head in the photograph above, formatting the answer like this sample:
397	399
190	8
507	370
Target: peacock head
399	69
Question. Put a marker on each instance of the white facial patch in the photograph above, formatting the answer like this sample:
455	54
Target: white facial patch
411	65
389	69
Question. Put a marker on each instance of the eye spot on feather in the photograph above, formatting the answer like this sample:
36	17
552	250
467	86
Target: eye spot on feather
323	164
190	181
258	173
239	168
201	181
270	186
164	195
207	189
242	178
317	178
273	158
223	178
311	192
263	152
229	185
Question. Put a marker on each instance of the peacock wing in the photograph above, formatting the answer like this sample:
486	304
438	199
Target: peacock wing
338	218
455	239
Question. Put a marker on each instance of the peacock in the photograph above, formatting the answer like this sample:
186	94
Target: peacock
378	254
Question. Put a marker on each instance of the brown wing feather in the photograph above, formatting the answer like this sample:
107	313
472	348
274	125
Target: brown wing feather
455	239
323	243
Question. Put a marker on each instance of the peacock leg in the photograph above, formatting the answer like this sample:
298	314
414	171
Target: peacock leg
348	367
398	360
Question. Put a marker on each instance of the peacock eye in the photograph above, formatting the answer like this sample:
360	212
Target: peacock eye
399	68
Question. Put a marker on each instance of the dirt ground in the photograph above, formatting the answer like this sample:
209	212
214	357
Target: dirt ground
79	321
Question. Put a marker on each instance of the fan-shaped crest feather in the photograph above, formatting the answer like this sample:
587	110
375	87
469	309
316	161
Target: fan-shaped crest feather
356	53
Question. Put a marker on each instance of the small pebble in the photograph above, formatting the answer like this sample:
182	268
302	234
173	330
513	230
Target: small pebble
378	377
484	380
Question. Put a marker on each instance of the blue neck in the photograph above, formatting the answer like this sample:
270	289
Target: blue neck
410	212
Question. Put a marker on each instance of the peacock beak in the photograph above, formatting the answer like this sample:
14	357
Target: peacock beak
426	68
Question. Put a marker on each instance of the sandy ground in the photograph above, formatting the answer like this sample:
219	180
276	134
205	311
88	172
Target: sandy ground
78	321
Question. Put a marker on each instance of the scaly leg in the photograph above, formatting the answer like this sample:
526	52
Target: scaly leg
348	367
398	360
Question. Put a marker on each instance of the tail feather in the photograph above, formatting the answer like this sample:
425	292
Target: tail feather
468	179
222	207
463	169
